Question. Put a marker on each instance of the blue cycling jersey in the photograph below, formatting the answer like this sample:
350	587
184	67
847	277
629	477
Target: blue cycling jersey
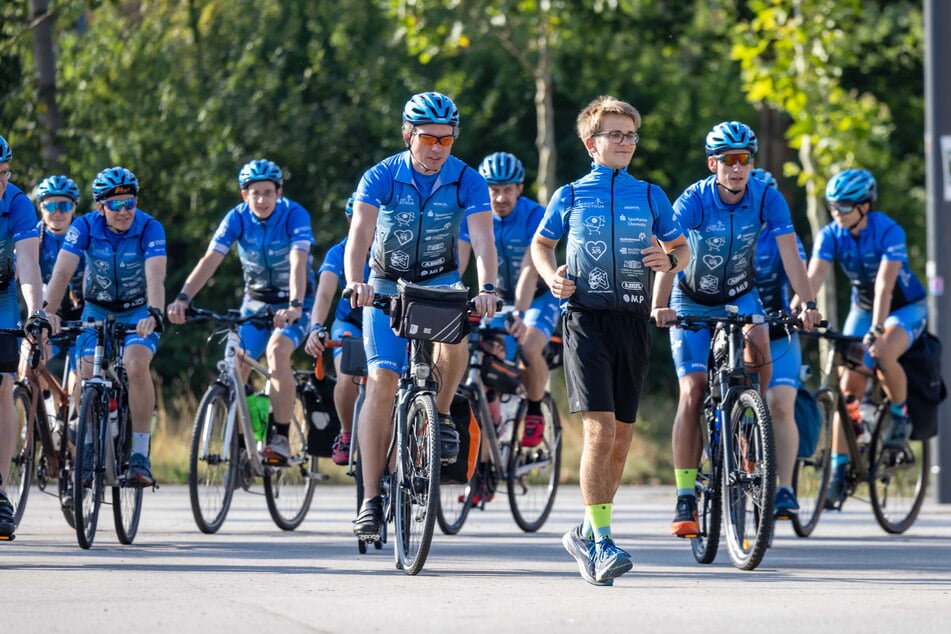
418	223
770	275
723	237
17	222
334	263
513	237
610	217
50	244
264	247
115	262
882	239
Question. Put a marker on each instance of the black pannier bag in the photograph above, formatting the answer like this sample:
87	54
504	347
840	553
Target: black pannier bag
926	388
430	313
323	425
470	437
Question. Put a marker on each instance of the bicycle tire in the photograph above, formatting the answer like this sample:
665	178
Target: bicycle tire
897	479
65	485
709	501
811	475
87	499
749	485
126	500
360	491
289	490
415	489
211	478
534	472
19	474
455	501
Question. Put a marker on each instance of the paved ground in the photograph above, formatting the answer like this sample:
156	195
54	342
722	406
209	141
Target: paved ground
849	576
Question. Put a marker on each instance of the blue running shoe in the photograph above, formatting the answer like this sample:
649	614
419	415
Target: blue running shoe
786	504
583	550
610	561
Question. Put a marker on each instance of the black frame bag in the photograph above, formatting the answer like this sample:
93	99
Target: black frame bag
430	313
324	424
926	388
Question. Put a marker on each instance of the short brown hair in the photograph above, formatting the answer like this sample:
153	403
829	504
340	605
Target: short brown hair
589	120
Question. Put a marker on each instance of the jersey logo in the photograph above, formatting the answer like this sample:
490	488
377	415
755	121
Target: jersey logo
598	280
713	262
404	217
404	236
596	249
709	284
716	243
594	224
399	261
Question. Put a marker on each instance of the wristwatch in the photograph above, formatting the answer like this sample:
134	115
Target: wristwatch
811	306
294	303
182	297
673	261
487	288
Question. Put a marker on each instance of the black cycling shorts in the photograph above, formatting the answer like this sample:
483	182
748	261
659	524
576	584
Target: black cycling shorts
606	359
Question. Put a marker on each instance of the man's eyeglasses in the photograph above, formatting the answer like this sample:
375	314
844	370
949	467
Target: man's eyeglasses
616	137
58	206
841	209
6	175
732	159
431	139
119	205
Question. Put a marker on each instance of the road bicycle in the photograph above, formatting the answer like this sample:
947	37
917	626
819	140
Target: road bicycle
104	437
44	448
530	474
736	478
225	452
893	481
410	486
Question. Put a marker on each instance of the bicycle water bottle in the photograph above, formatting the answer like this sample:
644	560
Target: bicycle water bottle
509	411
114	417
854	410
867	409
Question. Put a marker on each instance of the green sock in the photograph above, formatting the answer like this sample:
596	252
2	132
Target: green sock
686	480
600	516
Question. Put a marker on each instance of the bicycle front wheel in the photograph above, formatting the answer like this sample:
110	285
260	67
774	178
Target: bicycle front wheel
749	480
88	487
811	475
898	479
416	488
533	472
212	465
709	501
289	489
19	474
126	500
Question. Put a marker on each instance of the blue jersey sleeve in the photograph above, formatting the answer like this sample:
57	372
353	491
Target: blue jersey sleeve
894	246
333	261
665	227
376	186
77	237
474	192
227	233
22	219
302	235
553	223
776	213
153	239
824	247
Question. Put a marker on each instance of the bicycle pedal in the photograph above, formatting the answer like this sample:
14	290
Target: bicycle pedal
7	538
689	536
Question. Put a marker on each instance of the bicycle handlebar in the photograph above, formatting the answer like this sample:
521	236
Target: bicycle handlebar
233	318
383	302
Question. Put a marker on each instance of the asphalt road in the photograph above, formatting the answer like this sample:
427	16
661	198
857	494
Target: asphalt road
252	577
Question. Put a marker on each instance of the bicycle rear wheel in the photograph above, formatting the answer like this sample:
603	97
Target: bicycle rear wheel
289	489
749	480
19	474
533	472
898	479
126	500
455	500
811	475
709	501
416	487
90	450
212	476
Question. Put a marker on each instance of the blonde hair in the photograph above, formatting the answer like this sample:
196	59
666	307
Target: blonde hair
589	119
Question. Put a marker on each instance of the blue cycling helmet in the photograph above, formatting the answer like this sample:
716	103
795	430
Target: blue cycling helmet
57	186
260	170
502	168
431	107
852	186
764	175
114	181
349	209
730	135
5	152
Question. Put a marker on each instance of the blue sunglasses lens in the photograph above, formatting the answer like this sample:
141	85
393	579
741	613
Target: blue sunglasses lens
119	205
59	206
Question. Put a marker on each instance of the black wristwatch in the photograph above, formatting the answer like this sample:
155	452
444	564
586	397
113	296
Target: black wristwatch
294	303
811	306
487	288
673	261
182	297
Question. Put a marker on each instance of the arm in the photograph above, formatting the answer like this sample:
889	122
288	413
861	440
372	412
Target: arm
524	294
487	260
798	277
884	287
63	270
323	299
664	282
543	256
154	292
196	280
359	239
465	250
297	289
28	271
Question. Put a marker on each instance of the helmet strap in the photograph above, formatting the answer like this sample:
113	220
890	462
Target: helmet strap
732	191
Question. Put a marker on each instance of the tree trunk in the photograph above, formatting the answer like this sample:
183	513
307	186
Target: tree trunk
545	121
818	218
45	84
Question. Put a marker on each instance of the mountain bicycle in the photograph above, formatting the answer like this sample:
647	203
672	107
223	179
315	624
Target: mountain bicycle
895	481
45	446
530	474
736	478
104	437
225	450
410	486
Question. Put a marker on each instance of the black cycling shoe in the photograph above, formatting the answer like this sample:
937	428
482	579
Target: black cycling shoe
448	440
7	518
369	520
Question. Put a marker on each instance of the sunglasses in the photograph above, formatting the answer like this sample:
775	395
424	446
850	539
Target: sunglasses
58	206
841	209
431	140
119	205
733	159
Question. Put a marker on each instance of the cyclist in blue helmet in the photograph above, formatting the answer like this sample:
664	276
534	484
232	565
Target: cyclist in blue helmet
274	238
19	264
330	278
772	283
407	213
124	252
534	315
888	301
723	216
619	232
